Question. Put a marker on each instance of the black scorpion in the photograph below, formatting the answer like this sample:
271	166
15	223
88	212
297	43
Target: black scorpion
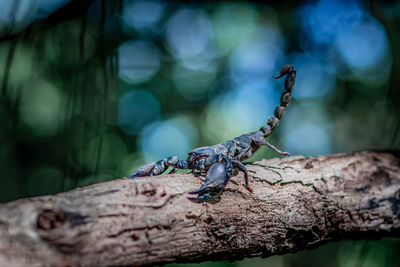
219	160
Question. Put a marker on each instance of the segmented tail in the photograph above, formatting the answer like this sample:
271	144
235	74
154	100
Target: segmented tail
272	122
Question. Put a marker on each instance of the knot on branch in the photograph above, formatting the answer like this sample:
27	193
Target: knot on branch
50	219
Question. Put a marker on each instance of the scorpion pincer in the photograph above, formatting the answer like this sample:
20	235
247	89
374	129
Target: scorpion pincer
219	161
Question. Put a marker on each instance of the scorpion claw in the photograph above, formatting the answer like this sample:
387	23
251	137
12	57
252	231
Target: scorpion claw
216	180
144	170
201	198
200	190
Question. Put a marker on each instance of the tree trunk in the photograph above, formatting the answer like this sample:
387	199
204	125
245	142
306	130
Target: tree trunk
297	203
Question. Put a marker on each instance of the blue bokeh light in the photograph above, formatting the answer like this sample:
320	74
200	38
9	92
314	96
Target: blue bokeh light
171	137
253	103
188	33
233	24
139	61
307	130
142	14
346	38
193	84
204	61
308	140
257	58
244	109
324	18
314	80
364	45
136	109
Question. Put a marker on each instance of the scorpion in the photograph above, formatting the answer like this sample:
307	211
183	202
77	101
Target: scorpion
219	161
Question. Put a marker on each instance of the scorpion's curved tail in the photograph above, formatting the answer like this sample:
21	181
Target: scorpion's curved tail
290	73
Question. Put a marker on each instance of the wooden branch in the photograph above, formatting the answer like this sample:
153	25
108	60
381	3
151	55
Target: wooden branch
297	203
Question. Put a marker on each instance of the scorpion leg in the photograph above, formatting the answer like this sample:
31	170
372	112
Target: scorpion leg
243	168
246	148
262	142
157	168
173	171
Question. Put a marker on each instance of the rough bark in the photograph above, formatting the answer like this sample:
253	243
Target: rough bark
297	203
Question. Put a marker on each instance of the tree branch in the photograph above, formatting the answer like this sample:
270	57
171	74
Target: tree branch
297	203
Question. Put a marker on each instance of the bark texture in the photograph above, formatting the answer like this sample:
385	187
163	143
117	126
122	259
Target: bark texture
297	203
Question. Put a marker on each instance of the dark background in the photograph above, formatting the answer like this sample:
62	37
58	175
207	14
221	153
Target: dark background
90	90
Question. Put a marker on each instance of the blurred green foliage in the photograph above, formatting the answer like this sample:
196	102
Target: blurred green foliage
99	87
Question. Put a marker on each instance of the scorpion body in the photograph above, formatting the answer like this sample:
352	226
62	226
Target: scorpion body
219	160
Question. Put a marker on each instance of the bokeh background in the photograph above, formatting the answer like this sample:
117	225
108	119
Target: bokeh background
90	90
